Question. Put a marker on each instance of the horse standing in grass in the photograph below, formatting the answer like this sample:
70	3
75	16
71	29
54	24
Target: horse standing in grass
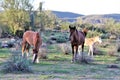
31	38
77	38
91	42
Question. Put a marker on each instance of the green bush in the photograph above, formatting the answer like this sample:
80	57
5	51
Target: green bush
62	38
17	64
93	34
105	36
19	33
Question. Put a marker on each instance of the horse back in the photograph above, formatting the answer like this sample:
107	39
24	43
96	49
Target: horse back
81	37
89	41
32	38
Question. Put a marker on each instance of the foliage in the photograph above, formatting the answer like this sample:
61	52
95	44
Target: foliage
64	25
3	27
112	27
16	13
46	19
17	64
60	39
93	34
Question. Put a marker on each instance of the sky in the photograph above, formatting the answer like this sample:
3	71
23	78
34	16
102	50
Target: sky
85	7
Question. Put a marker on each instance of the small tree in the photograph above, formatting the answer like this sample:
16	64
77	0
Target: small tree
112	27
16	13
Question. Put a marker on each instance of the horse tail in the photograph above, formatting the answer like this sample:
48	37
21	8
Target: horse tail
85	31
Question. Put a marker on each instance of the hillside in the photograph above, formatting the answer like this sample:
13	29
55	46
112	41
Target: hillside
100	19
87	18
60	14
67	15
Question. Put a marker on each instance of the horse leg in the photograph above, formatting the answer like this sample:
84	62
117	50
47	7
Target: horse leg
76	52
82	52
79	49
72	54
92	51
27	49
89	51
35	55
23	47
37	60
82	47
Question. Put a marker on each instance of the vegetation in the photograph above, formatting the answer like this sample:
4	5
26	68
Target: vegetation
58	66
17	64
19	16
16	14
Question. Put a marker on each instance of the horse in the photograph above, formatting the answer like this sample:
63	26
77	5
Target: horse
90	42
77	38
31	38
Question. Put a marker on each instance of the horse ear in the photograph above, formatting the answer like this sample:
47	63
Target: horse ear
74	27
69	26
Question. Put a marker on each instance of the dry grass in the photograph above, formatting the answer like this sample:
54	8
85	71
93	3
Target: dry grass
65	48
84	59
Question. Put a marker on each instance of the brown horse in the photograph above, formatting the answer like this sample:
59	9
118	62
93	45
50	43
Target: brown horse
31	38
77	38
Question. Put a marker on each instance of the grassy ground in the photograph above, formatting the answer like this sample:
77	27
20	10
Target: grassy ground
59	67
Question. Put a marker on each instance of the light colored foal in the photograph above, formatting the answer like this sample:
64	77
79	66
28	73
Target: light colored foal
90	42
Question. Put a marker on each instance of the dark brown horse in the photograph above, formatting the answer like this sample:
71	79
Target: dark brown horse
31	38
77	38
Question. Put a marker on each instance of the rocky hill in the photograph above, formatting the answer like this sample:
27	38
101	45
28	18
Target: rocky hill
87	18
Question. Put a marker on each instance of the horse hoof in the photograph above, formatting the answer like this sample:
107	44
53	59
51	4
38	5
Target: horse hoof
72	61
37	61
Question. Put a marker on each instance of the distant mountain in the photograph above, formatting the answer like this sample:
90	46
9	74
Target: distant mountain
100	19
114	16
60	14
87	18
67	15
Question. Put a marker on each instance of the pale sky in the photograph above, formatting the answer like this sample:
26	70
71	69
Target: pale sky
85	7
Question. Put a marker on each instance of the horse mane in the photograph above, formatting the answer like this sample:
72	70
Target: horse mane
37	35
37	40
85	31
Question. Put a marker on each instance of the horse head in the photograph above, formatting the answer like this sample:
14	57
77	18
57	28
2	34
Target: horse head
98	39
72	30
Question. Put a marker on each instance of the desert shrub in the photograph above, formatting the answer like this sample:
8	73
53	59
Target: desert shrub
112	51
17	64
61	38
19	33
105	36
65	48
84	59
43	52
96	51
92	34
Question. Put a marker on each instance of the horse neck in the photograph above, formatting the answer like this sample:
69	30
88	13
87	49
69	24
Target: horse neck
96	40
76	34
